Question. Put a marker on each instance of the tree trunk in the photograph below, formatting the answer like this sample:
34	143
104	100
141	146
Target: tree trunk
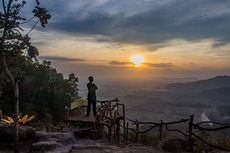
16	112
14	84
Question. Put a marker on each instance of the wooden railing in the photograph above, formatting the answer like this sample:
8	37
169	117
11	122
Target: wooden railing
189	134
111	118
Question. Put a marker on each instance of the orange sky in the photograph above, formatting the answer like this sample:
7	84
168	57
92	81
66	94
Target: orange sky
177	58
99	37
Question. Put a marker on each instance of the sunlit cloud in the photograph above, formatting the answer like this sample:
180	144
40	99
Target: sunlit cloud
106	33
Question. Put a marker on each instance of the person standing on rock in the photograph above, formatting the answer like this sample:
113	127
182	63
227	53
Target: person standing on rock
92	100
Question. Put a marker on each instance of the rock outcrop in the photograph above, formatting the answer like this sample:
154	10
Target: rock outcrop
55	142
26	133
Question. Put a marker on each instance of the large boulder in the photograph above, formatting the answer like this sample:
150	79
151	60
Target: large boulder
26	133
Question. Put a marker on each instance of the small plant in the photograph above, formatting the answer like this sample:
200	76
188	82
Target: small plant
25	119
8	120
22	120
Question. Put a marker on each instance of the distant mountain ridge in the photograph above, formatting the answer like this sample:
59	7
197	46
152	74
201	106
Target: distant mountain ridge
201	85
220	94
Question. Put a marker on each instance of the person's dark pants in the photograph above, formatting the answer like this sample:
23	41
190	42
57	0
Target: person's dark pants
91	102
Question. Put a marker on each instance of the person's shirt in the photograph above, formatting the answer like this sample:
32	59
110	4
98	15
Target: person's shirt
91	91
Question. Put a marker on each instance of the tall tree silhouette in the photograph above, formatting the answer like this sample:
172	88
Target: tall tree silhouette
13	43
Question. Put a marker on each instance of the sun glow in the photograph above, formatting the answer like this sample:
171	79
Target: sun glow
137	60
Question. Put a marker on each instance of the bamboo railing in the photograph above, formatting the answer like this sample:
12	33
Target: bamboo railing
190	135
111	118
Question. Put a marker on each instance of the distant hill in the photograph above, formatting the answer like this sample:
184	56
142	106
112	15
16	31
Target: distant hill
219	94
201	85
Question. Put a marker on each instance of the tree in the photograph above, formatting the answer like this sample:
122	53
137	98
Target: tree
13	42
72	88
43	90
46	90
33	52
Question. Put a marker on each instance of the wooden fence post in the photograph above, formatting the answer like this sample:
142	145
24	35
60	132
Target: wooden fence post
118	130
160	130
98	127
189	136
136	132
110	131
126	138
110	109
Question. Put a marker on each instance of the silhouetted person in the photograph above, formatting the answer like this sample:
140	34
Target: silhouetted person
91	96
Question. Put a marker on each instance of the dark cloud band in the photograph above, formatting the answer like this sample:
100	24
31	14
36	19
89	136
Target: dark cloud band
160	65
120	63
178	19
59	58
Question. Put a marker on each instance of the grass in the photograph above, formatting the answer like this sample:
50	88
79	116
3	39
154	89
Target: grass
216	140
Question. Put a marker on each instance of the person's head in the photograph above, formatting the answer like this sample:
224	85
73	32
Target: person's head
90	78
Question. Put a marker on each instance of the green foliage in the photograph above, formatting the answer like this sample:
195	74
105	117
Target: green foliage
78	103
33	52
42	14
12	40
42	90
147	139
13	43
212	138
200	146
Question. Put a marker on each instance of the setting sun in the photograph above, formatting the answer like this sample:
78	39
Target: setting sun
137	59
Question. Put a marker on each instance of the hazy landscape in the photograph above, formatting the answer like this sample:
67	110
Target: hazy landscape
155	100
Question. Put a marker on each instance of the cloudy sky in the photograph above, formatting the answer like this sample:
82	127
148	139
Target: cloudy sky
178	38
